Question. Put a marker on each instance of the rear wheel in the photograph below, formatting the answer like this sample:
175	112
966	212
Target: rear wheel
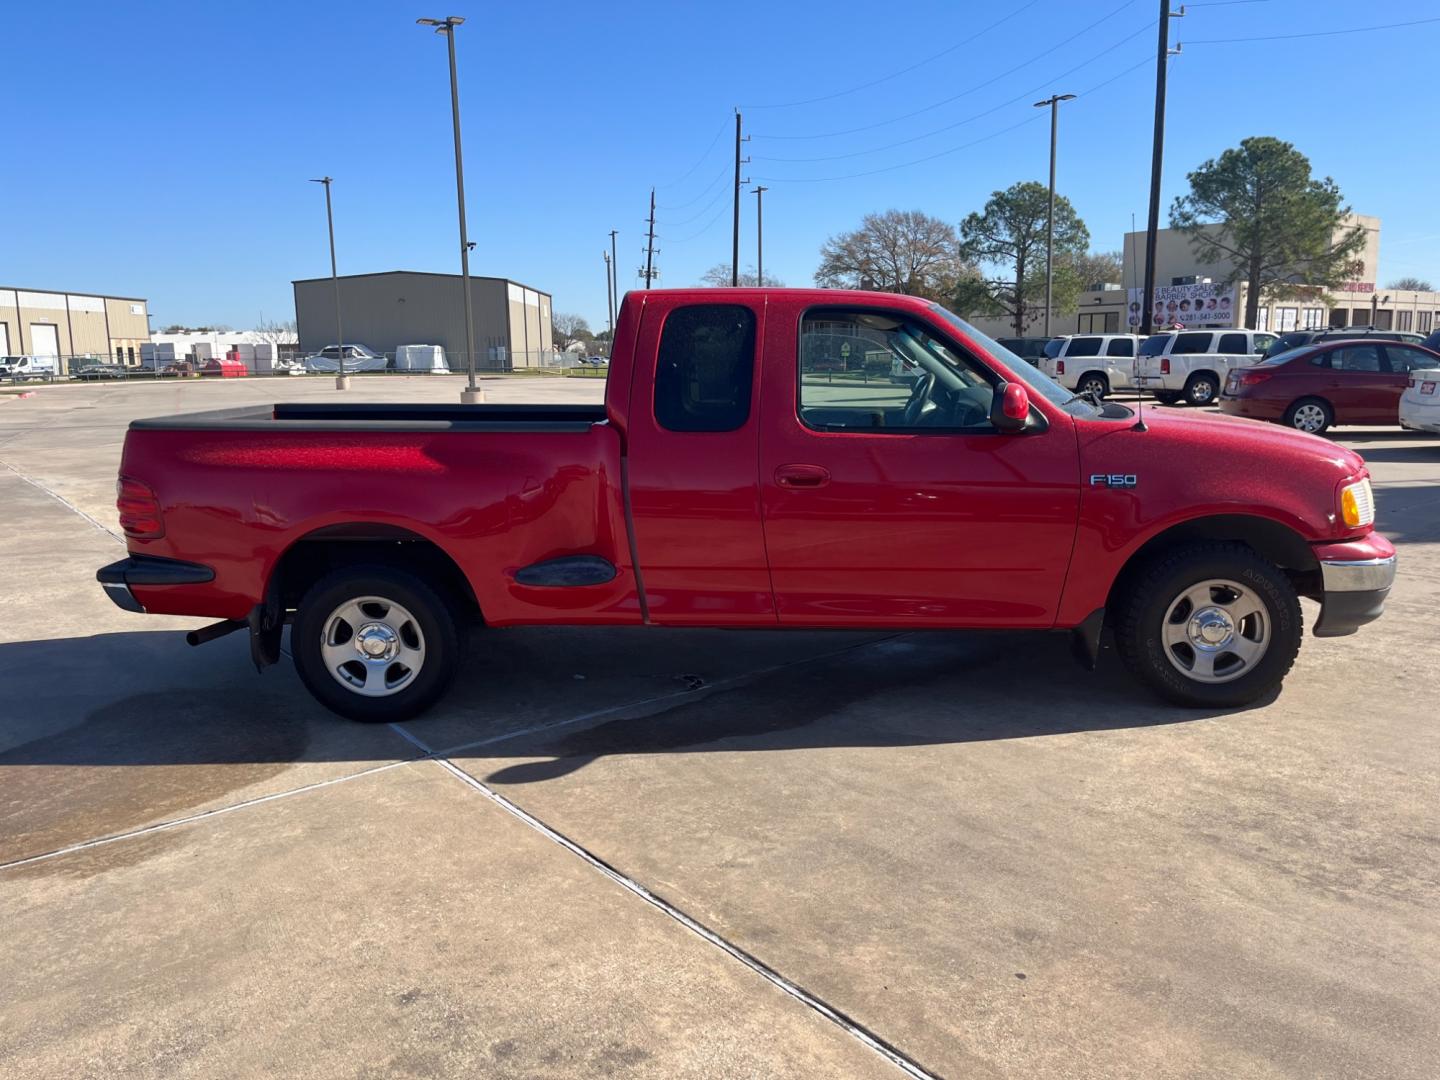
1311	415
375	644
1093	384
1209	624
1202	389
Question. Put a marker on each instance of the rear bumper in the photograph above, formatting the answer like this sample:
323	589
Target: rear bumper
1252	408
1356	578
117	578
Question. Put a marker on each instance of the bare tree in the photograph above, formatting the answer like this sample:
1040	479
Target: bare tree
272	332
718	276
568	328
902	251
1415	283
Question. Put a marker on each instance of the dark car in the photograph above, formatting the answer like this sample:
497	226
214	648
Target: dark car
1432	342
1027	348
91	372
1331	382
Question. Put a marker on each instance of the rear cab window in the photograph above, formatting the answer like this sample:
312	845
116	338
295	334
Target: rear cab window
1191	343
1155	345
1233	344
704	372
1084	346
1120	346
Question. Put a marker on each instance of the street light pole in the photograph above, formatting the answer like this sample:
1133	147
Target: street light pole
472	395
760	236
609	303
342	381
1163	52
1054	104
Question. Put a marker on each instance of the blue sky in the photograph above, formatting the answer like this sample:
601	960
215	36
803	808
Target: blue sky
162	149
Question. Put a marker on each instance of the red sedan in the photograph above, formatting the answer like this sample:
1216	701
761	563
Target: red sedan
1338	382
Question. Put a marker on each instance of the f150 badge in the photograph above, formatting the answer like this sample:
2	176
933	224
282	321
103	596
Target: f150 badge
1114	480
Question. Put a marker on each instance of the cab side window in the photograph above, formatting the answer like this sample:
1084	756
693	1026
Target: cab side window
705	369
1354	358
1191	343
871	371
1234	344
1084	346
1120	347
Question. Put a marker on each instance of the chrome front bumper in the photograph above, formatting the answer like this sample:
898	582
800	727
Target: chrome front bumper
1354	593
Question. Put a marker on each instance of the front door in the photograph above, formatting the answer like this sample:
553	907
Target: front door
890	500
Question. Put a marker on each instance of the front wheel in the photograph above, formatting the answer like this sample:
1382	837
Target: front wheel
1209	624
375	644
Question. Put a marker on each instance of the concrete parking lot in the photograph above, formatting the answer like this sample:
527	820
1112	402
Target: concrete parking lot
696	854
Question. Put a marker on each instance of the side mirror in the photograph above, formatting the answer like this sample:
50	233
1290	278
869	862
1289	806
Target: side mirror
1010	407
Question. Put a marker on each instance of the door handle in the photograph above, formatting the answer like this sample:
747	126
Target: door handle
802	476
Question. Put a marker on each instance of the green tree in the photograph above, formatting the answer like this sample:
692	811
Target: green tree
1009	234
1258	208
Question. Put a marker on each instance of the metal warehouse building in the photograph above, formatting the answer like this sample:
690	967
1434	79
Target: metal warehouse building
405	307
85	326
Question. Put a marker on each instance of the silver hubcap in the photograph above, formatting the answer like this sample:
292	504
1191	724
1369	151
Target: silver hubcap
1216	631
372	646
1201	392
1092	386
1309	418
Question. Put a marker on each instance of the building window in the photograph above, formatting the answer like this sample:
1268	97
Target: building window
1286	319
704	371
1262	319
1384	320
1423	322
1339	317
1314	318
1403	319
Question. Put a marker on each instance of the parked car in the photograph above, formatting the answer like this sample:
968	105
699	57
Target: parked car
22	368
1192	364
1093	364
357	358
1432	342
984	495
594	361
1333	382
1027	348
94	372
1420	404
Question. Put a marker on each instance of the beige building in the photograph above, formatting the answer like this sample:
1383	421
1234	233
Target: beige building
72	326
1361	302
404	307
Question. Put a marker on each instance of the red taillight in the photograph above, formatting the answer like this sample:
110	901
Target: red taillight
1254	378
139	510
1164	365
1059	367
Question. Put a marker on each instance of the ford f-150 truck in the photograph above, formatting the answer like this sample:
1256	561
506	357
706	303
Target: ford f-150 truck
734	477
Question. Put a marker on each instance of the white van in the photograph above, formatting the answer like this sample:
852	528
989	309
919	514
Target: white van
1420	404
20	368
1092	363
1192	364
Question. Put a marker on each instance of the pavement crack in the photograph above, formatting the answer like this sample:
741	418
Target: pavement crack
38	486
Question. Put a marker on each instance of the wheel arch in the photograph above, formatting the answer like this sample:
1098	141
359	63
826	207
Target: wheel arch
331	547
1272	540
1099	373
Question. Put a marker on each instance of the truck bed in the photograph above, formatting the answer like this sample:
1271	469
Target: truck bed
382	416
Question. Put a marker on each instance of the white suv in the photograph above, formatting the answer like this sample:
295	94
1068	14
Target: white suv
1092	363
1192	364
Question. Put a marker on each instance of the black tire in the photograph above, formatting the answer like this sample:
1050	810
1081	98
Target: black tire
1202	388
1093	380
1167	397
441	633
1300	413
1142	614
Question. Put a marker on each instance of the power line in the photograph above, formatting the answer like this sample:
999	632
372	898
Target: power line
903	71
1315	33
703	229
719	194
1049	81
964	93
701	161
952	150
724	172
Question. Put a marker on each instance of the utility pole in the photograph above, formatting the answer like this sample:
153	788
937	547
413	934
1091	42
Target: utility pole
760	236
472	395
735	232
609	300
1054	104
342	382
650	242
1157	158
614	275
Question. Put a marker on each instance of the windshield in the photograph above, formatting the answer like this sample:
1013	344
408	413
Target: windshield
1035	379
1155	346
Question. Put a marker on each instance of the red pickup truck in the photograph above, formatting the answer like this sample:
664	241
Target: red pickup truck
764	458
